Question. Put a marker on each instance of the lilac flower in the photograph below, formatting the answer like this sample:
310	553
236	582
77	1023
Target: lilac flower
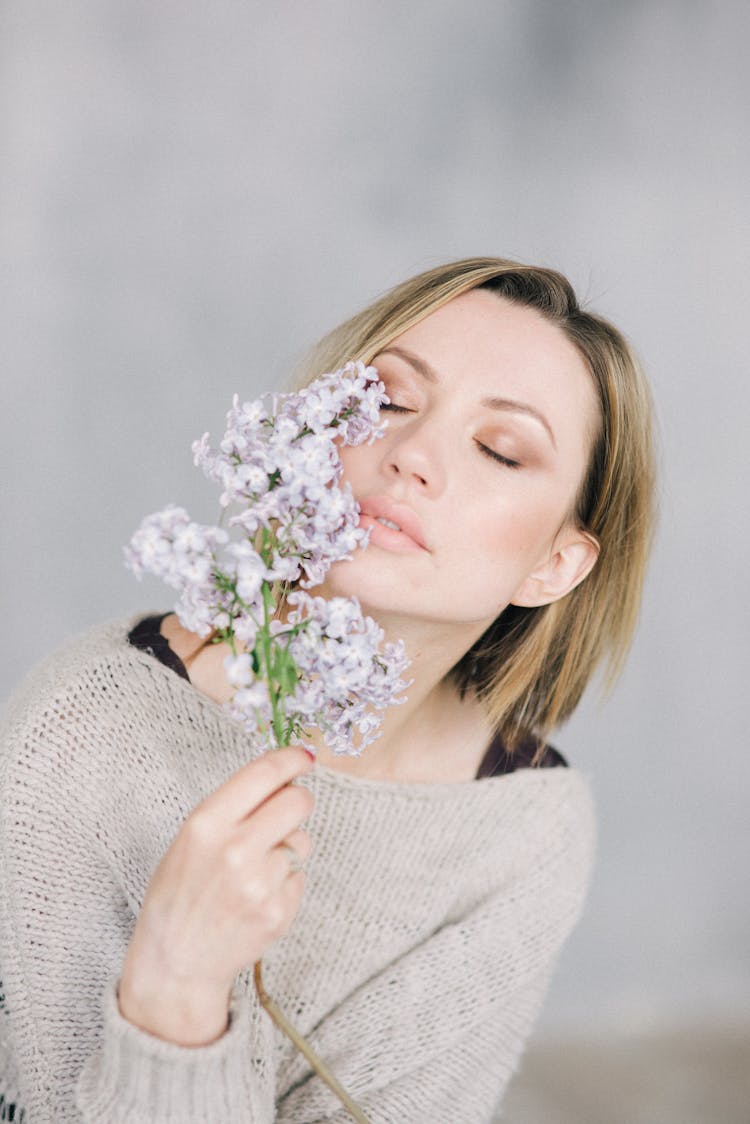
173	548
325	663
339	652
239	670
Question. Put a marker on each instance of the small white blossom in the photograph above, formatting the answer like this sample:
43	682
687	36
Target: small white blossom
245	630
239	670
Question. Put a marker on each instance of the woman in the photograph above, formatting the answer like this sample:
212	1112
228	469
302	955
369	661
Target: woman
146	864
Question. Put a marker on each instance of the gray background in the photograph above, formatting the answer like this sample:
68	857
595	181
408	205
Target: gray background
192	193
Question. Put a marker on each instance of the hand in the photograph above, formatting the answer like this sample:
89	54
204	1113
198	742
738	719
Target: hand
222	894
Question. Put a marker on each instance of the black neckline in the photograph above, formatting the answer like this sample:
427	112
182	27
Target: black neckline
146	635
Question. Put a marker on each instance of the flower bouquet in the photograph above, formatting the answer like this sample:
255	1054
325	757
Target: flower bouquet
296	660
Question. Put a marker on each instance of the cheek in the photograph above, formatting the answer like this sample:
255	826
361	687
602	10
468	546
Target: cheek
516	532
357	461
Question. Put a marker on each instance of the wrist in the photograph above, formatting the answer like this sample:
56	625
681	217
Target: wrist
185	1013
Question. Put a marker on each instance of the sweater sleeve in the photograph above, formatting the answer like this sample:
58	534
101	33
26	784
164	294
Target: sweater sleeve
464	1077
134	1077
438	1034
65	921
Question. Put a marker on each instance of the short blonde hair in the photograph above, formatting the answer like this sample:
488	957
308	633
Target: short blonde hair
532	665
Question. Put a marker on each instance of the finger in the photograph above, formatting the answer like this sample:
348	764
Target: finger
270	870
300	842
280	863
293	858
277	818
251	785
290	895
278	870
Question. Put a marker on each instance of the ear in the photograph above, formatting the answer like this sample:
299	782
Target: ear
573	556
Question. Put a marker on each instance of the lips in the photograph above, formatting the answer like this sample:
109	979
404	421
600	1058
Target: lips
381	507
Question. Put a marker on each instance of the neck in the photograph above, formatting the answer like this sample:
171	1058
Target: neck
434	735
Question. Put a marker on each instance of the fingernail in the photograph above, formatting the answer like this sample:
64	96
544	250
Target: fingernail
309	753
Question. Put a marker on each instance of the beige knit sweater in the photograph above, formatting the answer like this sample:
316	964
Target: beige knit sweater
416	965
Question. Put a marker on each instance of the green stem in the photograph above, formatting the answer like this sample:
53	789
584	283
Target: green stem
274	693
276	696
273	690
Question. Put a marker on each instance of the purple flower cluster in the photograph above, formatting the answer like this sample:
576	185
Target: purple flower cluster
279	463
341	655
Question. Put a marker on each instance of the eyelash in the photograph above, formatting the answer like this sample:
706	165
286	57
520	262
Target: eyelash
499	457
394	409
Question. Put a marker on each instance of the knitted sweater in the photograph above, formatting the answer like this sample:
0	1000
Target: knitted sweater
431	918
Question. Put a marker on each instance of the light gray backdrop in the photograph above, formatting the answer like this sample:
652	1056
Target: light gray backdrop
192	193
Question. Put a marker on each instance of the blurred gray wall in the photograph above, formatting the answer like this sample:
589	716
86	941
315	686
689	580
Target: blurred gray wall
192	193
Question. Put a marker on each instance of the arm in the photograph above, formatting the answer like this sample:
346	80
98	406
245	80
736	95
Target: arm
76	1058
220	896
67	920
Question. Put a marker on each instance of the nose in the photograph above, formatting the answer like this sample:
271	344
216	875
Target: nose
415	456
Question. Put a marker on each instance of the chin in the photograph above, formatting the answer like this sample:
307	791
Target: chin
373	599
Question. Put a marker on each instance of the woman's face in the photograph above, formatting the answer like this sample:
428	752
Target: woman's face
490	425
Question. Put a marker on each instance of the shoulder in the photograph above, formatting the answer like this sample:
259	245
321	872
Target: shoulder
102	746
81	666
58	744
545	835
556	816
101	710
68	708
483	836
549	834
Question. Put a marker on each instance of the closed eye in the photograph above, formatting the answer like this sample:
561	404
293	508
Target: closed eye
499	457
395	409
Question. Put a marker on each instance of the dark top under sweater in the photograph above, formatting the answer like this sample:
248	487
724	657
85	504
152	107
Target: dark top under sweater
146	635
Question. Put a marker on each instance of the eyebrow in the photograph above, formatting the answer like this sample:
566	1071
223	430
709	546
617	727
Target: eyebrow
508	404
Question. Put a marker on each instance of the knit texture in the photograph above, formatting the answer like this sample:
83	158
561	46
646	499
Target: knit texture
432	915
